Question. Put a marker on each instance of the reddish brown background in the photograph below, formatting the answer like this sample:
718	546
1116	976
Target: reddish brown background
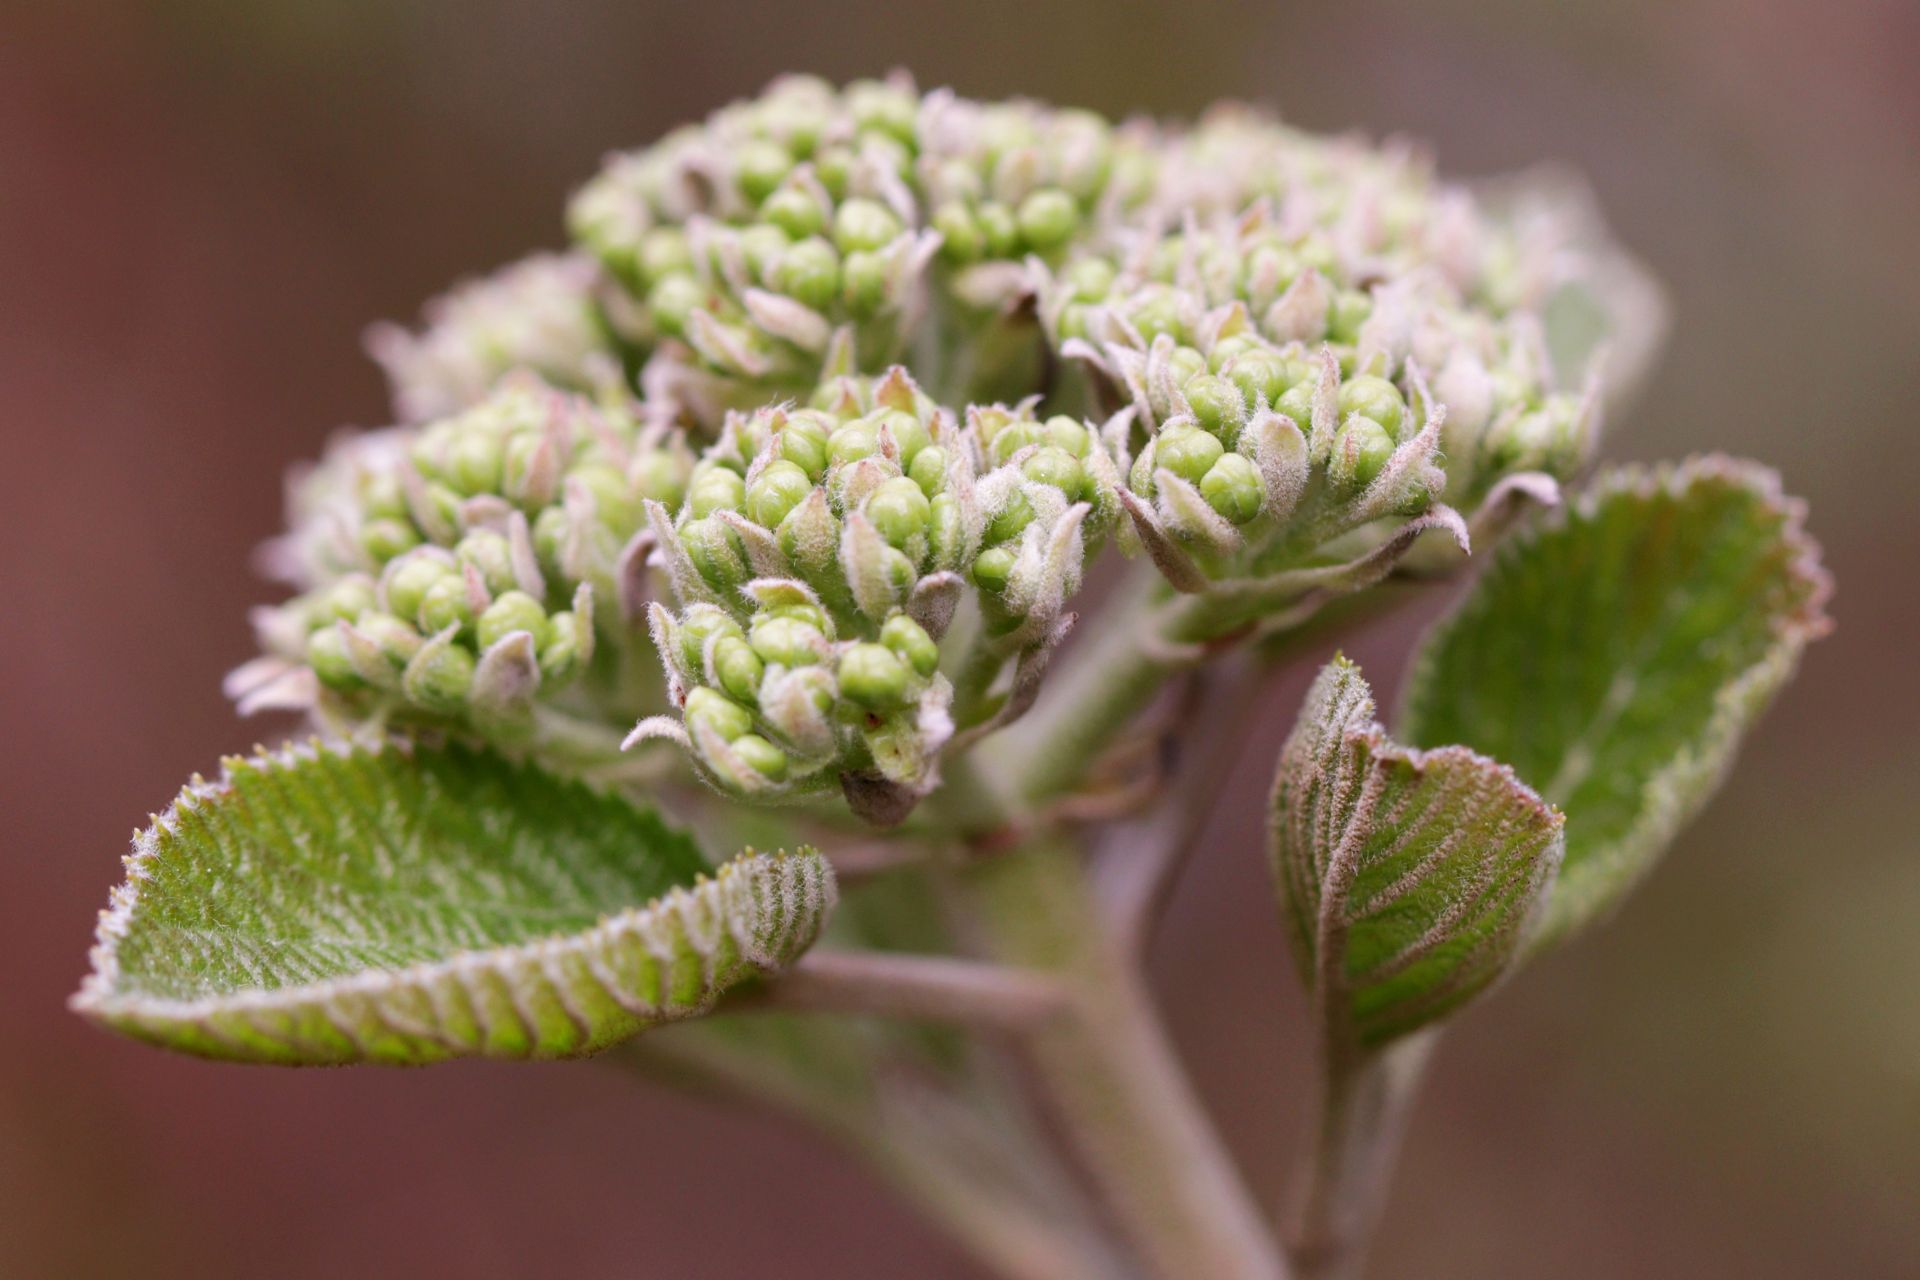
201	204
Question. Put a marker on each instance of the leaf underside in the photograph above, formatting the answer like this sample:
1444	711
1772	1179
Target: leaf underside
1409	879
1614	657
409	903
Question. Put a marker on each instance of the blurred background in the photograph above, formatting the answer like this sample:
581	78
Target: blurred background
203	203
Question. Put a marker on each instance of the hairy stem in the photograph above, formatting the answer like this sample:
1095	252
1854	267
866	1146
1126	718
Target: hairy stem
1108	680
934	988
1117	675
1119	1091
973	1172
1364	1103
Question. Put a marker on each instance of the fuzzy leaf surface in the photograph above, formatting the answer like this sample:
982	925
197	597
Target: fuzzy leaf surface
1409	879
407	903
1616	655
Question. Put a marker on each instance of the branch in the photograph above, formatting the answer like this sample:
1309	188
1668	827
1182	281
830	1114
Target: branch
1362	1115
931	988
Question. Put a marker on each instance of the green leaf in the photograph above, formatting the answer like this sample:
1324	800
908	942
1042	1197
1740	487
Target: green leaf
1409	879
408	903
1616	655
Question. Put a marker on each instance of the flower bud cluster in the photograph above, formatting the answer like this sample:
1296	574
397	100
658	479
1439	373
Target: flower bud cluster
821	553
749	244
1303	355
454	572
538	314
1277	394
1378	211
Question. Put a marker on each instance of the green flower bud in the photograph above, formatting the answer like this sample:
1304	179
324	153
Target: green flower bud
385	539
614	501
909	434
737	667
332	664
863	282
1156	310
1088	280
946	530
1058	468
1375	398
474	464
899	510
439	678
864	225
788	642
446	604
408	581
1232	487
1297	403
659	475
512	611
397	641
1261	376
1230	349
961	240
1185	363
809	273
856	440
929	470
883	108
803	442
549	533
344	601
566	643
716	553
725	717
777	490
763	246
834	167
999	229
910	641
1219	406
702	623
873	676
1187	452
761	756
382	496
1048	219
1010	521
794	212
672	302
1069	434
1360	451
1350	310
1012	438
665	251
759	167
992	568
488	552
716	489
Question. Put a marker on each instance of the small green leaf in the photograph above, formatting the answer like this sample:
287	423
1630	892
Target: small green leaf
408	903
1409	879
1615	656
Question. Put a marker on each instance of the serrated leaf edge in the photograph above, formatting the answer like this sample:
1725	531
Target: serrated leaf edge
769	907
1679	790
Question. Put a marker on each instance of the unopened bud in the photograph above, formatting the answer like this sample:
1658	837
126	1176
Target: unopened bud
909	640
510	612
873	676
1360	452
